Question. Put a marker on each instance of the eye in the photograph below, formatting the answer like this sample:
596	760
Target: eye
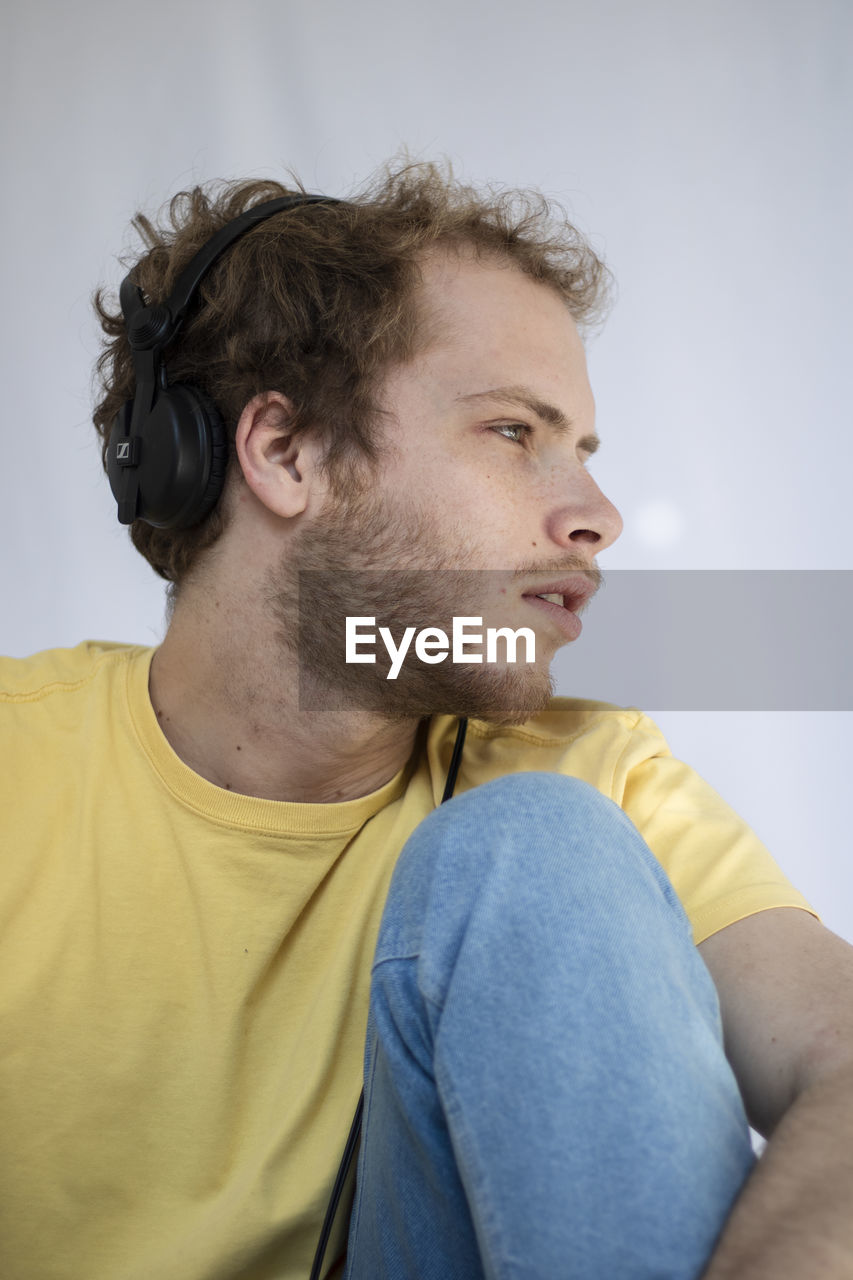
516	431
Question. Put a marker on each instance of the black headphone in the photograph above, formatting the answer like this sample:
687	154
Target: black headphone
168	449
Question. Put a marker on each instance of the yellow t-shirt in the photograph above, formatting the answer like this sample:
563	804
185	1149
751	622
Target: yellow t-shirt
184	971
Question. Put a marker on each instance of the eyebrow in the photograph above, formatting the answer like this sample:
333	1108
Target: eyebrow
526	399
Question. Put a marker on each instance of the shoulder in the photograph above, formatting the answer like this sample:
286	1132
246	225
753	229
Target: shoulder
563	718
597	741
56	707
58	671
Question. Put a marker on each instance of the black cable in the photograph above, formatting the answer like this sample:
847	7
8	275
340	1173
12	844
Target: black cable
455	759
337	1189
355	1128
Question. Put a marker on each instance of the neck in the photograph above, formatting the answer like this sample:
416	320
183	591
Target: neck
226	697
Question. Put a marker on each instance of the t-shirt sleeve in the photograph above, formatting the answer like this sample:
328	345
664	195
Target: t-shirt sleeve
719	868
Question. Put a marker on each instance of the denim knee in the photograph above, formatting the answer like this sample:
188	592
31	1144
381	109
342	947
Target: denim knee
546	1083
520	850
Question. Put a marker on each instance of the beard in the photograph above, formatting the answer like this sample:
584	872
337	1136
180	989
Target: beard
371	558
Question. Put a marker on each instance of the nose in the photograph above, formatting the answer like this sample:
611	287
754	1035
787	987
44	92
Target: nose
587	518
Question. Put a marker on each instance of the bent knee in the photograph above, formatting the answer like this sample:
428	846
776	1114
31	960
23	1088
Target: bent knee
533	826
519	809
540	859
532	794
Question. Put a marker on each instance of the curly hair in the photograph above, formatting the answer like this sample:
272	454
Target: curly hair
317	302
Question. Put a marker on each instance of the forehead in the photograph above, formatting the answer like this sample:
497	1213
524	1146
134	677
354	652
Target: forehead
487	324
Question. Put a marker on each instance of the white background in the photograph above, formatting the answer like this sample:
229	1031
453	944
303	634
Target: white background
704	145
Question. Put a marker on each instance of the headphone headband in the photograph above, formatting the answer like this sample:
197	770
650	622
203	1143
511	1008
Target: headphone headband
165	319
168	449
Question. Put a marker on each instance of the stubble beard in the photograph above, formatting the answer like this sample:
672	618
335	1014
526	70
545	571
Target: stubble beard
392	563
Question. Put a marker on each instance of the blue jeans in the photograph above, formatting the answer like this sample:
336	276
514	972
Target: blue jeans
546	1094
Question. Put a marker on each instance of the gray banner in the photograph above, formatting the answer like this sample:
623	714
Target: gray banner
716	640
674	640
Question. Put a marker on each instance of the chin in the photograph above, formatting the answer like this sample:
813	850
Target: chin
499	695
511	700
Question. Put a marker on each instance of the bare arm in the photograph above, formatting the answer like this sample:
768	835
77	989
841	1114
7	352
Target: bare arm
786	994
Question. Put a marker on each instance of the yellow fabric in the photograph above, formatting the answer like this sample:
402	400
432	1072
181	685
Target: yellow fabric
185	970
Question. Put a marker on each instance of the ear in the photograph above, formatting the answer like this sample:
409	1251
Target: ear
279	470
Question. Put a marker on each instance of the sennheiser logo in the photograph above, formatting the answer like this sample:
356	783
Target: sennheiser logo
122	450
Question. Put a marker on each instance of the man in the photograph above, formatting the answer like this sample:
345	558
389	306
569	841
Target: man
201	838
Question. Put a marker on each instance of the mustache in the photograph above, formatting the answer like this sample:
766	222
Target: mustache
560	565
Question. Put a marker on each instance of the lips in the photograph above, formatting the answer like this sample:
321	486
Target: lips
568	595
575	591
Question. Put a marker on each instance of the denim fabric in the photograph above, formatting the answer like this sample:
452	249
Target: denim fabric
546	1090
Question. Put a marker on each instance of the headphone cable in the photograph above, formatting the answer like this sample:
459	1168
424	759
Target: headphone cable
355	1128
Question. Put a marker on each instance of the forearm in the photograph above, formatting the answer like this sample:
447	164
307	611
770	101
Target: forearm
794	1218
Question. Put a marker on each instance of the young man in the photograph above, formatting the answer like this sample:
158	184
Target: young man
200	839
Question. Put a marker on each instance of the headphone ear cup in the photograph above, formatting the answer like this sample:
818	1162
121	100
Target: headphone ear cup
218	442
182	459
